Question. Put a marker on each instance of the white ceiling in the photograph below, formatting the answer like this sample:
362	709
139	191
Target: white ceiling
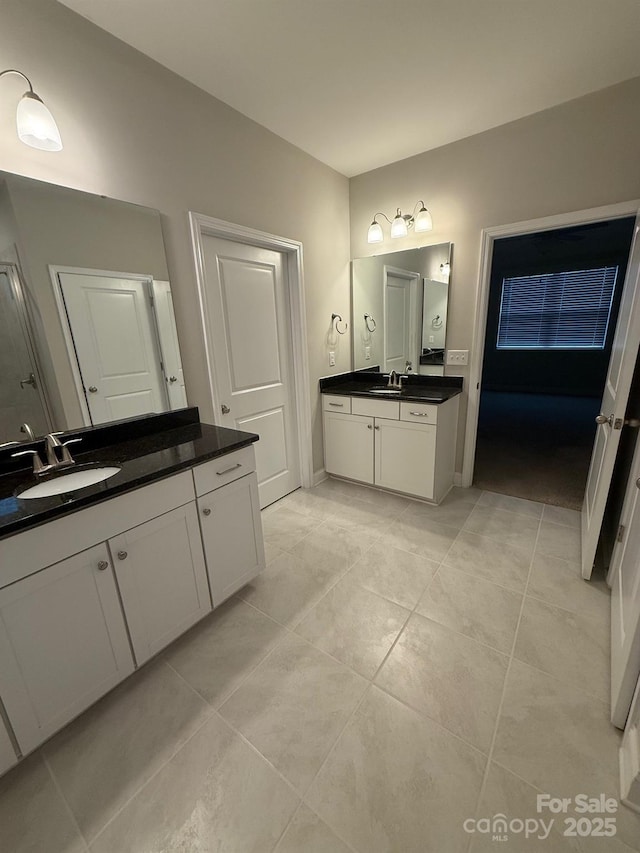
362	83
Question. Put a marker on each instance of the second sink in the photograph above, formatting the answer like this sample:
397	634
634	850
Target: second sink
70	482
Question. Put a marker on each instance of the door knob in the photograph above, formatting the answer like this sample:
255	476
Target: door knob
122	555
603	419
225	409
30	381
92	389
173	379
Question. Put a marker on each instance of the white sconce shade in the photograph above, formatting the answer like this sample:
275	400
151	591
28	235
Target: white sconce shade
374	234
445	268
36	125
423	221
399	226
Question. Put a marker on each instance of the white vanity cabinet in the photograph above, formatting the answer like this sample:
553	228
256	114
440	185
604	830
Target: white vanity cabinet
162	578
403	446
8	755
63	644
229	508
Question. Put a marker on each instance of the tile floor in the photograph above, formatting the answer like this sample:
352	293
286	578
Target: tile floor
397	669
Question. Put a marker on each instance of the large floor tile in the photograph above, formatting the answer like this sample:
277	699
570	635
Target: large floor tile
109	752
289	587
216	655
470	605
354	625
307	833
393	574
533	509
216	794
309	502
426	538
560	582
451	678
561	515
364	517
332	547
452	511
283	527
33	816
397	782
293	707
573	647
558	540
508	527
507	565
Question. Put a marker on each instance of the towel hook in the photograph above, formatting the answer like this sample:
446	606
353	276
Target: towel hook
336	318
369	319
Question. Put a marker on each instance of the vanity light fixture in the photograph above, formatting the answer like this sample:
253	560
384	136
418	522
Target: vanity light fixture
401	223
445	268
35	124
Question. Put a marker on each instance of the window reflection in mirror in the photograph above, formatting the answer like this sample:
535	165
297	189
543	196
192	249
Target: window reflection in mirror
399	306
87	329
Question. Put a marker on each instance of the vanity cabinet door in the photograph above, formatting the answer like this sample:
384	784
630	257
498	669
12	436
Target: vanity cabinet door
162	578
63	644
348	446
232	536
405	457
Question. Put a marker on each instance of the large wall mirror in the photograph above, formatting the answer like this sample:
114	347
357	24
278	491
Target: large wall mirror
399	309
87	331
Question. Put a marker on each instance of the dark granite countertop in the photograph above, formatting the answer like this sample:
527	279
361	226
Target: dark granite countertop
416	389
160	445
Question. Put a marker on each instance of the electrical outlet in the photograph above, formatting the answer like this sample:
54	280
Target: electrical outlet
367	353
332	358
458	356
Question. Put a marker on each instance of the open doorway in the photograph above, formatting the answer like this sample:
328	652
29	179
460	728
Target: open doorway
552	309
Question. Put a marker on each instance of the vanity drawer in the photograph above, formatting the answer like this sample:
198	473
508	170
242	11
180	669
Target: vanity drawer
336	403
419	413
375	408
224	469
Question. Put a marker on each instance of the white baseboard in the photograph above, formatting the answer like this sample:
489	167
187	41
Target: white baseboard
630	768
319	476
457	478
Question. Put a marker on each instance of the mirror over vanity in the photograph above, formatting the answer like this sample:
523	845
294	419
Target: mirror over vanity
399	309
87	330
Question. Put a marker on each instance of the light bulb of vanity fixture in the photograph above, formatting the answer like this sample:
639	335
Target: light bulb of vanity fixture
445	268
374	234
399	225
35	125
423	221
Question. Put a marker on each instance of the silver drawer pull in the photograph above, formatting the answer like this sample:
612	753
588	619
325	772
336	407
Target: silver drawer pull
339	405
420	414
227	470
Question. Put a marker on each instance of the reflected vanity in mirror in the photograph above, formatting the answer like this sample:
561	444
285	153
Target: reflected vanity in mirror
87	331
399	310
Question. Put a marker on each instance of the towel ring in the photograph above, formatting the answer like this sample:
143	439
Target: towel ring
369	319
336	318
436	323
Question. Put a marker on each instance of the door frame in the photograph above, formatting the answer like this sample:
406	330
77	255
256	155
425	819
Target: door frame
415	279
208	226
67	332
488	236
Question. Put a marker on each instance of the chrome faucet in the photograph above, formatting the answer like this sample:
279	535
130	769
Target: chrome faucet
393	381
53	461
26	429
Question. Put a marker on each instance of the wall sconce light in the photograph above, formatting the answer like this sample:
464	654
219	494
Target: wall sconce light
445	268
401	223
35	124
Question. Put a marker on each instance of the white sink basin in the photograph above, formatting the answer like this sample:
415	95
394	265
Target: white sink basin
384	391
69	482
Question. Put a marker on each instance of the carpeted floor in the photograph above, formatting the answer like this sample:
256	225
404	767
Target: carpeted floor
535	446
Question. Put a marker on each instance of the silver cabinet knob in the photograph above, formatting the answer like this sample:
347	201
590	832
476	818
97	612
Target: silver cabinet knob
206	511
369	426
122	555
92	389
103	565
376	427
603	419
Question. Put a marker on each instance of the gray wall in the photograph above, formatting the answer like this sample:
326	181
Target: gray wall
133	130
579	155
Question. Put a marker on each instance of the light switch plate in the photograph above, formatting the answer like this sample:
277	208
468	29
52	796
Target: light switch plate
367	353
332	358
458	356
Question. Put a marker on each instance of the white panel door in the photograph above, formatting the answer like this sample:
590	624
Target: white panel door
405	456
63	644
169	345
162	579
250	330
232	536
612	412
625	601
400	288
115	344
